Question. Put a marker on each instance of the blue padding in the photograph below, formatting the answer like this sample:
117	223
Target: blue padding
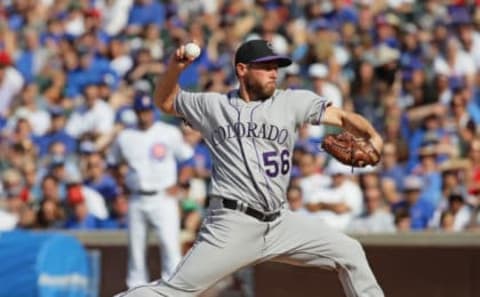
42	265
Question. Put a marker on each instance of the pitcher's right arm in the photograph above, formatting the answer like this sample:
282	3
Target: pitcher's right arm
167	85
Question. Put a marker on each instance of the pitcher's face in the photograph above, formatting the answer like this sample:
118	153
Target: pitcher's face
261	79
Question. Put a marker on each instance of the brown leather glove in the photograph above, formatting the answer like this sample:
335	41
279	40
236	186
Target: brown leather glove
351	150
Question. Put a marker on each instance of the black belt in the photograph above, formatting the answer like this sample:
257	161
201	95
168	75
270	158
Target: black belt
146	193
235	205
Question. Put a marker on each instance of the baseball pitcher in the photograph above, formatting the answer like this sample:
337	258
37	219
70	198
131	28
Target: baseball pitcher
251	132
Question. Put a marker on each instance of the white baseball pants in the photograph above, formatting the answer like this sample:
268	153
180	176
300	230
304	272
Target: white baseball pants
162	214
230	240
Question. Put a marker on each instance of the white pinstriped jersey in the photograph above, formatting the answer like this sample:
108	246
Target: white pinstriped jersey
151	156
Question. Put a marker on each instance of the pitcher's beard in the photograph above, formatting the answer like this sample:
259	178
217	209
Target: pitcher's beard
258	91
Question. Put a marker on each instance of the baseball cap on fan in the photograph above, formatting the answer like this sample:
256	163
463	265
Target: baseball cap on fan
258	51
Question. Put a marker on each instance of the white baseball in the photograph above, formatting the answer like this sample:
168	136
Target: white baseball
192	50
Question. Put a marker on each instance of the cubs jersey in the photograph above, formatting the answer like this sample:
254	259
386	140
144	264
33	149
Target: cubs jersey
151	156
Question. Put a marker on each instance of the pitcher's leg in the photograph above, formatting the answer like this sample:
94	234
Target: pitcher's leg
308	241
140	291
228	241
137	238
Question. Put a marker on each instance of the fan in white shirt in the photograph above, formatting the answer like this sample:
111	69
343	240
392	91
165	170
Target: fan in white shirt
94	117
11	83
342	202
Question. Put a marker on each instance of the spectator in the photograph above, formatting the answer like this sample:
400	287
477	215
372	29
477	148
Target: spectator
80	218
428	134
38	118
93	119
99	180
308	141
94	203
56	133
8	220
31	191
343	202
468	36
386	67
27	215
51	189
11	83
33	58
118	218
474	157
420	211
319	75
429	171
152	41
368	178
115	15
21	212
391	169
144	12
447	221
454	176
93	25
295	199
86	69
144	67
202	165
311	181
120	61
455	62
365	92
456	216
270	29
376	218
22	148
60	167
12	183
292	79
50	215
462	119
216	80
403	221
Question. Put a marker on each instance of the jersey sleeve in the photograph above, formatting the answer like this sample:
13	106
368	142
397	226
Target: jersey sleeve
307	106
191	106
182	150
114	154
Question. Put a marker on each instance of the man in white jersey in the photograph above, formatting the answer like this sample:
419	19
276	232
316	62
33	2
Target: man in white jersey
151	153
250	132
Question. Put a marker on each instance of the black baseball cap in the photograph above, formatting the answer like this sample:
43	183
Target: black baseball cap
257	51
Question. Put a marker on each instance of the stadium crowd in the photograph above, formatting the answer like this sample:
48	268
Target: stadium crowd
69	71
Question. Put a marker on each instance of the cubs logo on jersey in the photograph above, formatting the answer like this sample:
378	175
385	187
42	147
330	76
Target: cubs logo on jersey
158	151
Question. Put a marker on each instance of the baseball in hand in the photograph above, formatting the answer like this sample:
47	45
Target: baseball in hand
192	50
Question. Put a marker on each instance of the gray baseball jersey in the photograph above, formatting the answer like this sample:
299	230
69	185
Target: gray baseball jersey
252	141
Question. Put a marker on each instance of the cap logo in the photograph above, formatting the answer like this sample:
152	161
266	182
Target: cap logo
146	100
269	45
